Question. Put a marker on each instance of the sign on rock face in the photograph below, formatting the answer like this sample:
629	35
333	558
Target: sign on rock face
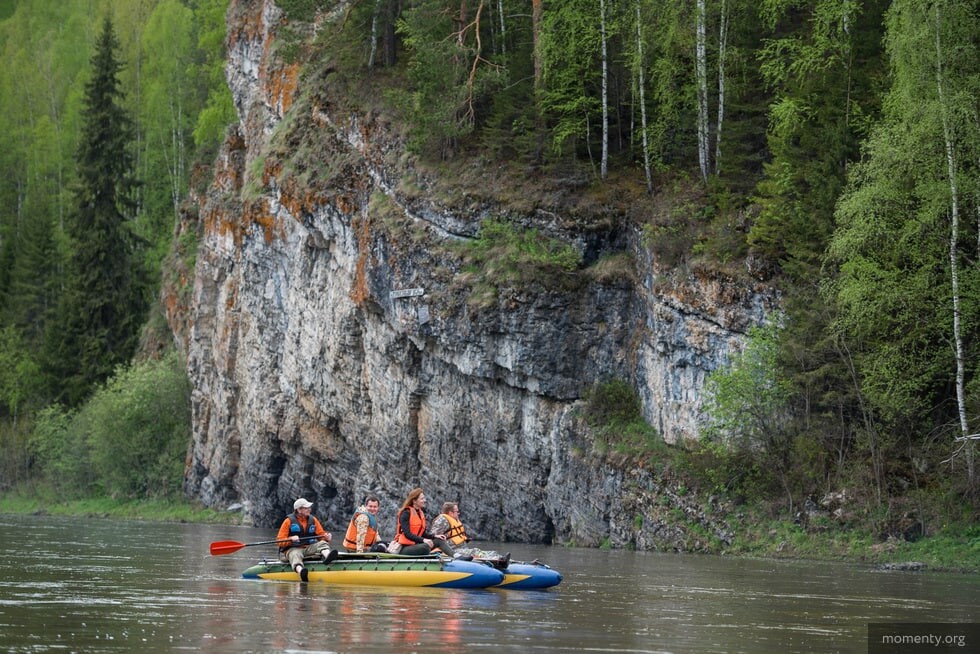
407	292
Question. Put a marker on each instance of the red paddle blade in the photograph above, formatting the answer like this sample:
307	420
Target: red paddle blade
225	547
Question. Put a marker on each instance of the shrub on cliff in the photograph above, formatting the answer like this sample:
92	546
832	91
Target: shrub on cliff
505	256
614	412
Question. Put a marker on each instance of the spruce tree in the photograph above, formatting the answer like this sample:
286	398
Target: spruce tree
102	305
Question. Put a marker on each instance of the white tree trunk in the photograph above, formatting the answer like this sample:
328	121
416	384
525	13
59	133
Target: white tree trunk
374	32
953	247
503	27
604	163
701	71
722	45
643	101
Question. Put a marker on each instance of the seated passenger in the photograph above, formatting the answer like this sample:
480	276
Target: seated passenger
412	534
301	535
448	523
362	532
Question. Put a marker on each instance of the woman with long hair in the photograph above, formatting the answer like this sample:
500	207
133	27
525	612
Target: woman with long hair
412	532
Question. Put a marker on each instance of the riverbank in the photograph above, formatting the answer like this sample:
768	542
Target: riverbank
956	548
154	510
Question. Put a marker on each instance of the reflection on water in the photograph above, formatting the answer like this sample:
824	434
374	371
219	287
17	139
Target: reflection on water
104	586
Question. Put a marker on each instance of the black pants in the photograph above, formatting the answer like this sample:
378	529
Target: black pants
421	549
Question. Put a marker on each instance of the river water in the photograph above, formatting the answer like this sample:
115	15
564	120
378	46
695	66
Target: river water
92	585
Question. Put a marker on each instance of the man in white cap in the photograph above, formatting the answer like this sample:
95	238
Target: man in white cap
301	535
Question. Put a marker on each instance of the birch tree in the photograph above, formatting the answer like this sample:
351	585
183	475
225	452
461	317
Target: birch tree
701	64
640	67
701	74
722	52
169	104
375	26
536	46
604	164
946	108
897	246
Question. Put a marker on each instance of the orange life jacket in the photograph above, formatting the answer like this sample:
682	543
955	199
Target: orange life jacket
416	523
457	532
350	538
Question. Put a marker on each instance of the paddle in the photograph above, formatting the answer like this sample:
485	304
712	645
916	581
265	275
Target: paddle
220	547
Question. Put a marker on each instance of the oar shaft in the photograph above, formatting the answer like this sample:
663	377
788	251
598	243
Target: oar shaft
230	546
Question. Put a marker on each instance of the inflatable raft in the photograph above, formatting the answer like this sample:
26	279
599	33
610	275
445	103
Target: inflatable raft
529	576
385	570
380	569
518	575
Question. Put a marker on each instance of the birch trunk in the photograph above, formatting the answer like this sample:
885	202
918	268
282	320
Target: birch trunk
643	101
536	44
701	71
604	163
374	33
722	45
953	247
503	28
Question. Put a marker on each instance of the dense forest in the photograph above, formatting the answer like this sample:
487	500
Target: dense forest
833	147
107	109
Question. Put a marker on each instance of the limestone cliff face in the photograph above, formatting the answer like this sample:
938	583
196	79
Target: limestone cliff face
314	377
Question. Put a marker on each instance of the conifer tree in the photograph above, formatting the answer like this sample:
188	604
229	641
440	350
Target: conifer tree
102	306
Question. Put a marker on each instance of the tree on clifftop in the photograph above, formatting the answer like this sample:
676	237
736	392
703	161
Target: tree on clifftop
102	306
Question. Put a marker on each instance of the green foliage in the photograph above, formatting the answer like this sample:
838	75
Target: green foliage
301	10
505	256
219	109
570	54
138	428
746	400
746	413
174	71
15	464
61	453
168	101
613	411
734	472
892	245
450	76
102	307
826	73
129	440
214	119
20	374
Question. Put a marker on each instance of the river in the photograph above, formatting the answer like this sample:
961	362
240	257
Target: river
97	585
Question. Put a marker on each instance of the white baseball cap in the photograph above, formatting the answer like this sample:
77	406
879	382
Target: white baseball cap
302	503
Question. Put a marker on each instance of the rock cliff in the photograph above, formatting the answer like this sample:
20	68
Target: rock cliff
335	349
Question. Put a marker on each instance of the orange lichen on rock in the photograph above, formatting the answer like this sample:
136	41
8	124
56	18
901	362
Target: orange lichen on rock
217	220
231	299
257	212
360	291
250	23
345	204
281	87
299	200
